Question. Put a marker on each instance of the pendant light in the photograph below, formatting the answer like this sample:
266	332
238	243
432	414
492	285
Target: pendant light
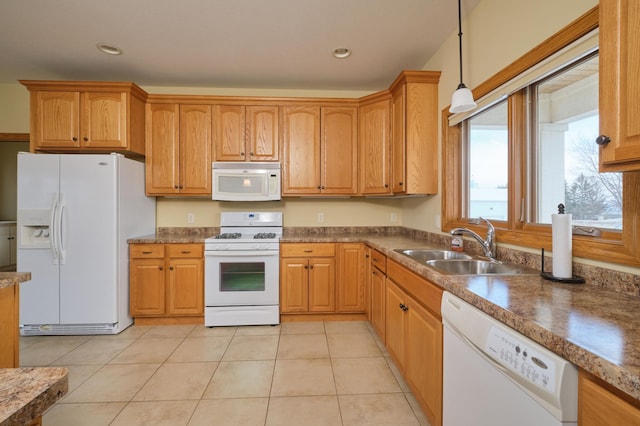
462	99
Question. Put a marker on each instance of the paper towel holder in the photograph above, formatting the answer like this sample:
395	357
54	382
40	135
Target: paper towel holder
548	276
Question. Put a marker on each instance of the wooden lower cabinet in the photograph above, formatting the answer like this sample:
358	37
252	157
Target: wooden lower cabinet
351	290
166	281
9	326
377	290
413	334
307	278
599	404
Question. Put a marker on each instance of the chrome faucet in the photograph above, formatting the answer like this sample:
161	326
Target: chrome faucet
488	245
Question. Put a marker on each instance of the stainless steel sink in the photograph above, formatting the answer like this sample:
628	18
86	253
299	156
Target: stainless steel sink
424	255
479	267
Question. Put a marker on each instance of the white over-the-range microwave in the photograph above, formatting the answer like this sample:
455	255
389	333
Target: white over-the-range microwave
245	181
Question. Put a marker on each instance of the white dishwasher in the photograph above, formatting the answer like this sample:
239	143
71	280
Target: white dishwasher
492	375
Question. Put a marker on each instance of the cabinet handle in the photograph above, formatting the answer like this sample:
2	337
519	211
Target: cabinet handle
147	252
366	256
85	139
251	154
399	183
74	139
160	267
306	266
308	251
374	260
404	307
175	187
386	185
171	268
603	140
242	153
318	187
374	272
311	267
185	251
181	187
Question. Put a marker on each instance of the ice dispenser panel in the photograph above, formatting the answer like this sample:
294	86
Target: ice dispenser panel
33	228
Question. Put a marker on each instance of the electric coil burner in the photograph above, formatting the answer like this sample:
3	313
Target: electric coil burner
242	270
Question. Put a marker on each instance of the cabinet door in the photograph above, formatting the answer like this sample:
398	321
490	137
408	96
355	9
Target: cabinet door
378	299
395	322
229	136
195	149
398	138
301	150
339	150
374	148
9	326
103	121
423	358
56	119
351	277
185	287
5	246
147	287
619	84
599	406
322	285
162	149
294	285
262	133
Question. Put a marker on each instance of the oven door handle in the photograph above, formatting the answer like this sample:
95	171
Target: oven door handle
245	253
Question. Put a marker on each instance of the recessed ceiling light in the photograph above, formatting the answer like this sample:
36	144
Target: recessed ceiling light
341	53
109	49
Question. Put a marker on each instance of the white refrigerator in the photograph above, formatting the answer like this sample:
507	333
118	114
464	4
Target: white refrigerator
75	214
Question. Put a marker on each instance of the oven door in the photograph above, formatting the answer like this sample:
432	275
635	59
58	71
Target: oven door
242	278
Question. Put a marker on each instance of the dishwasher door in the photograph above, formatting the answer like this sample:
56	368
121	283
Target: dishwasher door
496	376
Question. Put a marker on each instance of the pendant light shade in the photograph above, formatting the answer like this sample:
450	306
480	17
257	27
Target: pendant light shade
462	99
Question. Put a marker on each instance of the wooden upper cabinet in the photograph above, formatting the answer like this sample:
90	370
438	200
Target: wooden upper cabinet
87	117
619	85
178	156
414	133
301	150
320	150
339	150
246	133
375	164
195	149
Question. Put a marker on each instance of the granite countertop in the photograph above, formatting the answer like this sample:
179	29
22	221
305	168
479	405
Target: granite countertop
8	279
25	393
594	328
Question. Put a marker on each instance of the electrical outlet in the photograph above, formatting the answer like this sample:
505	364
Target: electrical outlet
191	218
393	217
320	217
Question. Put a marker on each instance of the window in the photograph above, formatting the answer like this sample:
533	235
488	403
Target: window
530	146
564	158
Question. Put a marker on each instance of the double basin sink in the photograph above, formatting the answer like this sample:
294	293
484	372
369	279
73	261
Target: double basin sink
457	263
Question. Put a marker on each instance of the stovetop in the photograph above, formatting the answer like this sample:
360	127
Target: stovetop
242	230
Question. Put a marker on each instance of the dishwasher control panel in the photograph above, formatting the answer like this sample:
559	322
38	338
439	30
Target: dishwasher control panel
518	356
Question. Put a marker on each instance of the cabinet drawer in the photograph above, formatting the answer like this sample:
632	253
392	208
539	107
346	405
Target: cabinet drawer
150	251
424	291
308	250
186	250
379	260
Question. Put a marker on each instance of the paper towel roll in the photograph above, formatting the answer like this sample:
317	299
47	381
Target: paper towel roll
561	245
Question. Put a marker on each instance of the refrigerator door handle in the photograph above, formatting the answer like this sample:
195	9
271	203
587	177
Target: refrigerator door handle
53	233
60	238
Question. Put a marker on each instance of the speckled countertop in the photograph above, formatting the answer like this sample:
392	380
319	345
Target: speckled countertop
25	393
591	325
7	279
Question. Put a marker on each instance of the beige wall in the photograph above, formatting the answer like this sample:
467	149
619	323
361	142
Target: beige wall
8	177
14	108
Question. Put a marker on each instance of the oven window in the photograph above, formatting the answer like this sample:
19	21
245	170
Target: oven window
242	276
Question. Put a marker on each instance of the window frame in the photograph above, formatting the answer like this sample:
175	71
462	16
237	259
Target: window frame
612	246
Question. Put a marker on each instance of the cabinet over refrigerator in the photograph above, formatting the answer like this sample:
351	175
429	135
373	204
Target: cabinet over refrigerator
75	214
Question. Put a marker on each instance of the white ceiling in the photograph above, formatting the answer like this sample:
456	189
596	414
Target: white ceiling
224	43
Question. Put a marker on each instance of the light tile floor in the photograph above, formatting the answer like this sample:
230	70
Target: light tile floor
308	373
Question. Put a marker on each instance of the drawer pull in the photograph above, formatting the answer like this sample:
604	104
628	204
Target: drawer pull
308	251
171	268
160	267
147	252
185	251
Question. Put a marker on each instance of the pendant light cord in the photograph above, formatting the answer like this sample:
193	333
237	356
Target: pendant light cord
461	85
